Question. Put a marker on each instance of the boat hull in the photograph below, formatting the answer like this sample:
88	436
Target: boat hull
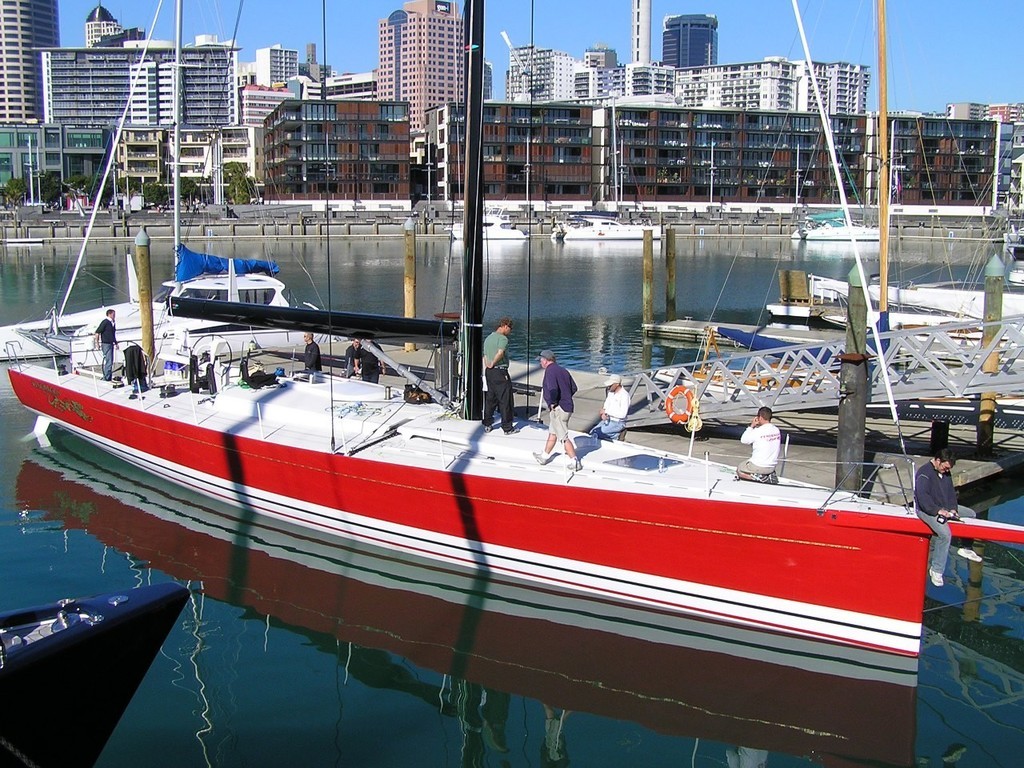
843	575
713	681
67	692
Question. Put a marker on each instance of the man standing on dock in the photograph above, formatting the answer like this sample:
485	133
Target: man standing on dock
935	500
557	390
765	441
499	384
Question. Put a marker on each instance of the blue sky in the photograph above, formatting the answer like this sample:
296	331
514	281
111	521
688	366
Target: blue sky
939	50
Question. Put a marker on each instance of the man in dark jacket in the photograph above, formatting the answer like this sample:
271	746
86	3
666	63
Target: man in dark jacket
105	339
311	354
361	362
557	389
935	500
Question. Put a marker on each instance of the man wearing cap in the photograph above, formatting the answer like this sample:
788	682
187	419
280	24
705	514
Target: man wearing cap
499	385
613	412
558	389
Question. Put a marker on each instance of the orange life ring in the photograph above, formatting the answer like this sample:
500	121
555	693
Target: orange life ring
679	404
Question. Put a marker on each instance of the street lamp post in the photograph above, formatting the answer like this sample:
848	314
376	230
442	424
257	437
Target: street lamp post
711	189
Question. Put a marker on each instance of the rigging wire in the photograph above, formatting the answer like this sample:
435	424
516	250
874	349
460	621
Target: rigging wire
529	196
327	226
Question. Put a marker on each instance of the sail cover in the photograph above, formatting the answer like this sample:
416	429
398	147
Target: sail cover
190	264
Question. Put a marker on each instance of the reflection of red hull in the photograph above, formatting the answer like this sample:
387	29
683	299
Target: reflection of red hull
739	557
605	658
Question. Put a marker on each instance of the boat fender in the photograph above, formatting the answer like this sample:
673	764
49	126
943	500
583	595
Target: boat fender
679	404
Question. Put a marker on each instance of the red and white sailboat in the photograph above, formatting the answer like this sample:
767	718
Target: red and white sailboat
638	526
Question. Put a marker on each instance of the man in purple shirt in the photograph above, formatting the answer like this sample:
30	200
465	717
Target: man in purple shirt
557	389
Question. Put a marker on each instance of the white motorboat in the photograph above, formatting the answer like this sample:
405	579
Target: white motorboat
832	227
595	227
496	226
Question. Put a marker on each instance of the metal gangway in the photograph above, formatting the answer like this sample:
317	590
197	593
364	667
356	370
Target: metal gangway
941	361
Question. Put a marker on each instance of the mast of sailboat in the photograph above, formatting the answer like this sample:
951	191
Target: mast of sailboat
883	173
473	236
834	159
177	107
136	78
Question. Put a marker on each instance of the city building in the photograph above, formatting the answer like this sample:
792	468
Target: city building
641	32
967	110
31	150
940	160
258	101
540	74
90	86
206	152
844	88
100	24
352	150
28	25
352	85
421	54
275	65
535	152
648	79
770	84
1007	113
311	68
689	41
775	83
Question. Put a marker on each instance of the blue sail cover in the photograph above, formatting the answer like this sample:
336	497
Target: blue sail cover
189	264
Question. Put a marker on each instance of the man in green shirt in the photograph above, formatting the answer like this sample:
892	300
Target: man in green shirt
499	385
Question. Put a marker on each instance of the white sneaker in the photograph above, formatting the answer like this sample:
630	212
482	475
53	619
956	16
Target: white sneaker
970	554
540	459
936	577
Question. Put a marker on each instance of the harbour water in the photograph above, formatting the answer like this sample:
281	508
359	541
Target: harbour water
305	652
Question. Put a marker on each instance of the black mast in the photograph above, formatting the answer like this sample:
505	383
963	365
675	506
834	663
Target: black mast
473	200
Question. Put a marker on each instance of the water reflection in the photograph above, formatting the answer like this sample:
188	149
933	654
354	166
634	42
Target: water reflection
496	639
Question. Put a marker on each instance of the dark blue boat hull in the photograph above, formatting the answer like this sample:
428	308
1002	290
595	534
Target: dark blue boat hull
65	693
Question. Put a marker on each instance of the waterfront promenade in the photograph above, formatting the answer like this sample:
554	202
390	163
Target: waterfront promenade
295	220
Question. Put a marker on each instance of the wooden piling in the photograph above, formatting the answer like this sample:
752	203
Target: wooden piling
410	276
853	377
670	275
648	278
993	313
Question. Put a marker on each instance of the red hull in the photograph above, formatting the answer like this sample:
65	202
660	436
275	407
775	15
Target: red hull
869	565
709	683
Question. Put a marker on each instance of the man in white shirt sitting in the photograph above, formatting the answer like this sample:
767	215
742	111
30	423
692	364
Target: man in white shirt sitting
765	441
614	410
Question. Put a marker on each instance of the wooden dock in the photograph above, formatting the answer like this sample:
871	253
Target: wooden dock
696	331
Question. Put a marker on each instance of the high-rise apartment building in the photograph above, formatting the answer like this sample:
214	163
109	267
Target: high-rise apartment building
689	41
421	57
775	83
27	25
90	86
276	65
100	24
542	74
843	86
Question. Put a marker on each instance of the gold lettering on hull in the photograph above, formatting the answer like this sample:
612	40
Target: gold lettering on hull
62	403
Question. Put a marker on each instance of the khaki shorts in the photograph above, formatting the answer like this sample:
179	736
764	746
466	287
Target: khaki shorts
753	469
558	423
